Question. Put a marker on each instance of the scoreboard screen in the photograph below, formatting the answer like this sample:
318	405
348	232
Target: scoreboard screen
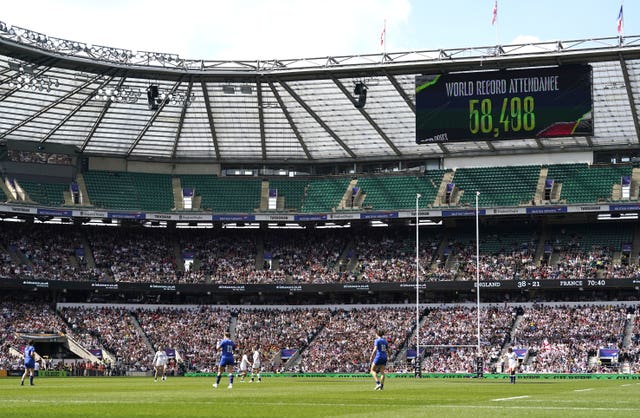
505	104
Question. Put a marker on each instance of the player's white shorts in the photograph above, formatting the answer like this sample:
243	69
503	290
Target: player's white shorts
161	363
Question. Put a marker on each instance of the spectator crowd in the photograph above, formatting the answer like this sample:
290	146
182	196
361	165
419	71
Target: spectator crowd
160	255
555	338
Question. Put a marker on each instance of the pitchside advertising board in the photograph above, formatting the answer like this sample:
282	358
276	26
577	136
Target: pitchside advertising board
542	102
200	289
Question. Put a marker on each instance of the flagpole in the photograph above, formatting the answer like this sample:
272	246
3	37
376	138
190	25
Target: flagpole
621	23
495	22
384	38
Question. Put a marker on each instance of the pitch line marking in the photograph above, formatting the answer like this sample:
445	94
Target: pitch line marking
583	390
510	399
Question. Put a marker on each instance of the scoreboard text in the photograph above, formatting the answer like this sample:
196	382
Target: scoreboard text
507	104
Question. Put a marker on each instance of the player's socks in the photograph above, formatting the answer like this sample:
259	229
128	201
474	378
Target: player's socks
230	379
22	383
218	379
31	380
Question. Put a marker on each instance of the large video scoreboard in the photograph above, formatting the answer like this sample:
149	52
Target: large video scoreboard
542	102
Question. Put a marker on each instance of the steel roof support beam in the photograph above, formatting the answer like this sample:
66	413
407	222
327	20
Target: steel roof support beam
212	126
49	107
367	117
589	141
632	104
401	92
263	135
151	120
75	110
98	121
319	120
410	103
181	121
292	124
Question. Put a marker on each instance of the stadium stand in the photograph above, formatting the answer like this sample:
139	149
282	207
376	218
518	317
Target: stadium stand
587	184
324	195
192	333
559	280
48	194
130	191
399	192
498	186
344	344
225	194
117	332
146	255
291	189
565	339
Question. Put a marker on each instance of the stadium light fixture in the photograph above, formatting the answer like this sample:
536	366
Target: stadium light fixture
27	78
125	95
131	95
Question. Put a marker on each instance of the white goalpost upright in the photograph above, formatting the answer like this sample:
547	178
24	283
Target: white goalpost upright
417	358
479	362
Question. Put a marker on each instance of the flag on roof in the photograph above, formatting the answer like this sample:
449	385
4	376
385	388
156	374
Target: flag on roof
620	21
495	13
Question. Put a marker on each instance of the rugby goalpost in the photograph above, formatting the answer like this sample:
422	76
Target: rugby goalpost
479	363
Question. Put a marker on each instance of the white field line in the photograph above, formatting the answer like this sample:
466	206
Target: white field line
510	399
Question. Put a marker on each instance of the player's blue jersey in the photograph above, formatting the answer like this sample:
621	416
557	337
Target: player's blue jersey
28	356
226	346
382	347
28	353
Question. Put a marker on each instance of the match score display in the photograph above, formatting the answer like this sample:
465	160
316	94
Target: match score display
506	104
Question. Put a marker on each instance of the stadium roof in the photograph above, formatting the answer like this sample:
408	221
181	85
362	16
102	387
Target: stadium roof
295	111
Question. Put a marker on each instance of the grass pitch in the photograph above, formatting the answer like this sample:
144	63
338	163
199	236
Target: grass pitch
317	397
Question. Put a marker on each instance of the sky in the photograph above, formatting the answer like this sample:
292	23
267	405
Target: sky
282	29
